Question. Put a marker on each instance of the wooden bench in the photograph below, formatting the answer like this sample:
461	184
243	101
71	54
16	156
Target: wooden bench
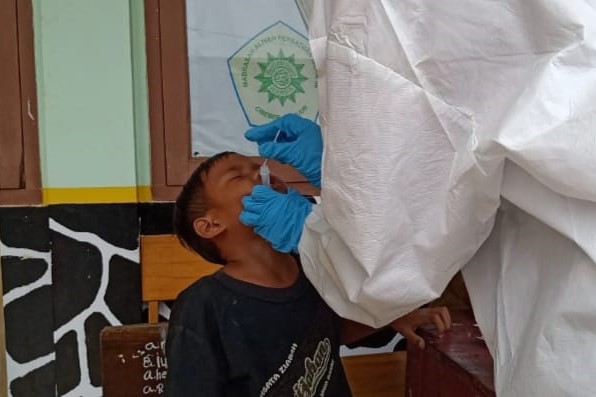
456	365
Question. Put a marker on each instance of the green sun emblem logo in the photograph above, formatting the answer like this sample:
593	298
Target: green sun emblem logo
281	77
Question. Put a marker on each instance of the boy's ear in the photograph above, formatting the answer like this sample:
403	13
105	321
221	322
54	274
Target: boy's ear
208	226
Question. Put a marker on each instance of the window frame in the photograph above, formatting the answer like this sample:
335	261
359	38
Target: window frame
20	128
169	103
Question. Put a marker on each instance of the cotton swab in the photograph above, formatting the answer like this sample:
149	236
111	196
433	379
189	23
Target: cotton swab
264	170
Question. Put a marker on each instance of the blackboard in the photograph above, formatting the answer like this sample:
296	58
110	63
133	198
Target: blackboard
133	360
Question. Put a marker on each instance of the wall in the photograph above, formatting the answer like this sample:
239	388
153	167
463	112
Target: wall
90	101
71	265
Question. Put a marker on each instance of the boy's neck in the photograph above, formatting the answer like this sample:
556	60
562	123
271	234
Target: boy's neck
258	263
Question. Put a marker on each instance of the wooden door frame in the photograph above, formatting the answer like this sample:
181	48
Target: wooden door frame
29	191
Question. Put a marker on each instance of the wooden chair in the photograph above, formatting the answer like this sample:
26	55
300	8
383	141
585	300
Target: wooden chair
132	356
167	268
376	375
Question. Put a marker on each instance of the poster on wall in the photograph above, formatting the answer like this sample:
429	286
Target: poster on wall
249	63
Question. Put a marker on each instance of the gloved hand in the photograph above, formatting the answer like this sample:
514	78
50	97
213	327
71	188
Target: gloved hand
299	144
277	217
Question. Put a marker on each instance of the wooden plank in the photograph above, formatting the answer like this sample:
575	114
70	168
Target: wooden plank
176	90
20	196
20	175
376	375
168	268
431	371
133	360
11	141
154	79
414	374
457	364
30	132
153	312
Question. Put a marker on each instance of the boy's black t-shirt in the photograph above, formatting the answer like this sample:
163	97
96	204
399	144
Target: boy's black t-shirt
227	337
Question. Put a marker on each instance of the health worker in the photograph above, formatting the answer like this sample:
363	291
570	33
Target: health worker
454	135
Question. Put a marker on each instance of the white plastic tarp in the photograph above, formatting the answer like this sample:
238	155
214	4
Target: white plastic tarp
432	112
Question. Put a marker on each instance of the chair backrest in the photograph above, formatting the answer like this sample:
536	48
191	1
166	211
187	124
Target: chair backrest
167	268
133	359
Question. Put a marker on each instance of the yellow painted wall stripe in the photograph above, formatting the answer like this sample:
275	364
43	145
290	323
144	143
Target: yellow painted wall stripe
144	194
97	195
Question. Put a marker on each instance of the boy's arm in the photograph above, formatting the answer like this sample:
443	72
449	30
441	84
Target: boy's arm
405	325
194	365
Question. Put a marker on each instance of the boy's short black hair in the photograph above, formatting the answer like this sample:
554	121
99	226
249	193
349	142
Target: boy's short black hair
192	204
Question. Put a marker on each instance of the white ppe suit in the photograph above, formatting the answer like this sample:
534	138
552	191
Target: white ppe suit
461	134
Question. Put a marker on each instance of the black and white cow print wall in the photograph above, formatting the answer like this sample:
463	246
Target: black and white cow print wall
67	271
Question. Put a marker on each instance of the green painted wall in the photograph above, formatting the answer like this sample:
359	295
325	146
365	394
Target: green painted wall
140	93
92	95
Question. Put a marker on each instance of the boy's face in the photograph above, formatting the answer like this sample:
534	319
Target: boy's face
230	179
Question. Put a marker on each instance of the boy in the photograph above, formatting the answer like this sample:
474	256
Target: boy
257	327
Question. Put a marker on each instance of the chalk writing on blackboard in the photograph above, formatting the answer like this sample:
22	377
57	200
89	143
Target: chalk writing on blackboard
155	367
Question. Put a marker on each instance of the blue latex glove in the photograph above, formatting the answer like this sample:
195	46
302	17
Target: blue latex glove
277	217
299	144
